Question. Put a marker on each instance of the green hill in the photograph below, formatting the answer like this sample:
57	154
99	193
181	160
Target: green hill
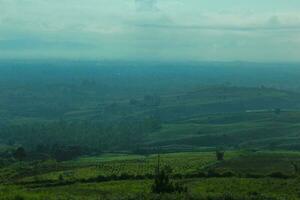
263	129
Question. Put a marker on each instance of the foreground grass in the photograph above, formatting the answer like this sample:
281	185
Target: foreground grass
213	188
69	178
132	165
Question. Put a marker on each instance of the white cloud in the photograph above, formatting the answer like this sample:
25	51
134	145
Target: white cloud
146	5
192	29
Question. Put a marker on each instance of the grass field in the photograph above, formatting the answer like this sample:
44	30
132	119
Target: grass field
259	163
78	179
261	158
237	188
132	165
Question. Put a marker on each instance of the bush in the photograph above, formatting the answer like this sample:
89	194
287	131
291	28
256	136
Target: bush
228	174
249	175
278	175
177	176
101	178
201	175
220	155
19	197
213	173
125	176
61	177
162	183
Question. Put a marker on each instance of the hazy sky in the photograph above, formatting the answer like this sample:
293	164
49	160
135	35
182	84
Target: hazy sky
250	30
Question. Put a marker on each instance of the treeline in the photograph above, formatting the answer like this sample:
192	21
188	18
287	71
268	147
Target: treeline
89	137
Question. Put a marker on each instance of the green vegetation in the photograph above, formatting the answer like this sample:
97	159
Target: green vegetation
90	132
116	176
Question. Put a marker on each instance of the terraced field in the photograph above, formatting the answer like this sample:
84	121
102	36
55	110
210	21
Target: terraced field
132	165
120	176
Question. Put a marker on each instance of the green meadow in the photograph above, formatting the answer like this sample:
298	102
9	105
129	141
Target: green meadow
241	175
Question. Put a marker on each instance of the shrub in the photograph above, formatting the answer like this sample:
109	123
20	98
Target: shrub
101	178
220	155
19	197
162	183
125	176
213	173
278	175
61	177
250	175
228	174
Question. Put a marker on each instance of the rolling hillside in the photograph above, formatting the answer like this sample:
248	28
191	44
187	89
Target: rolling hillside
263	129
203	101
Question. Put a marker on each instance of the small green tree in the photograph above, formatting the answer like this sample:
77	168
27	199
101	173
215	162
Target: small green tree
295	167
162	182
220	155
61	178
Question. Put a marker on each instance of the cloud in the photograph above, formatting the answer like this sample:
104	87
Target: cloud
28	43
246	28
274	21
233	21
146	5
191	29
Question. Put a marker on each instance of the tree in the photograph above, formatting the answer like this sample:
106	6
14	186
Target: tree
20	154
295	167
64	153
162	183
220	155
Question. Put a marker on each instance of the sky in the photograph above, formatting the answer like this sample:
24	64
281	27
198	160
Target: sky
202	30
